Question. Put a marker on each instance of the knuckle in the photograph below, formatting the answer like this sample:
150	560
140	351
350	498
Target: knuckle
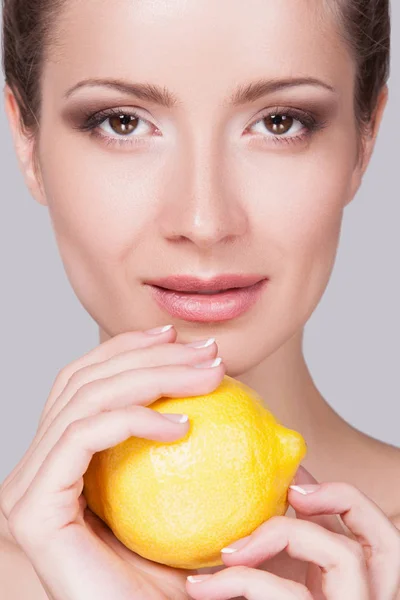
354	553
14	526
4	502
19	524
344	489
74	430
353	493
88	389
64	375
277	521
25	528
79	377
241	570
88	396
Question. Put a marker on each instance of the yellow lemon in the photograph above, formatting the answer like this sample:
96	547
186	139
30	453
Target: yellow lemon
178	503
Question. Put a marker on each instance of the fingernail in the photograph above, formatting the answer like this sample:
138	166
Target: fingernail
201	343
209	363
176	418
157	330
236	545
306	488
197	578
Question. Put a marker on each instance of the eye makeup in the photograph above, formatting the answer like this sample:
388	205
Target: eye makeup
88	121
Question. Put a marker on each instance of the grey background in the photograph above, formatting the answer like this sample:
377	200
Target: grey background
351	341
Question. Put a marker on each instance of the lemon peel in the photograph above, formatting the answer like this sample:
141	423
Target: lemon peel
179	503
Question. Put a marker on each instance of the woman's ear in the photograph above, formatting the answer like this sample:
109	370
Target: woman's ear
25	147
375	125
368	143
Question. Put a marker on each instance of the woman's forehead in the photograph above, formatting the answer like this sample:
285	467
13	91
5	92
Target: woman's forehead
192	43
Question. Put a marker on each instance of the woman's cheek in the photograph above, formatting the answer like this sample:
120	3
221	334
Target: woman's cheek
309	230
98	217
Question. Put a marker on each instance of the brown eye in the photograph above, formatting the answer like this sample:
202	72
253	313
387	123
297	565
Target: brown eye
278	123
123	124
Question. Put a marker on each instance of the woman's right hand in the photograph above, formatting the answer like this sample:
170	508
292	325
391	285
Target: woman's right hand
97	402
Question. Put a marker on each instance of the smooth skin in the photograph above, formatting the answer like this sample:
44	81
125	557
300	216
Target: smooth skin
208	188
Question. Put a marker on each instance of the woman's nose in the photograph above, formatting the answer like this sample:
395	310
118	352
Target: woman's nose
202	204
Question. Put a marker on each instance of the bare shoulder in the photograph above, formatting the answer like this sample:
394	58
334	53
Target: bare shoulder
18	579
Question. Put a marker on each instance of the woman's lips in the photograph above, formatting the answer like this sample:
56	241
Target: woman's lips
208	308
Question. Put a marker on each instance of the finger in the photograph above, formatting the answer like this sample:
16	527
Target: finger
109	349
139	387
112	347
153	356
330	522
73	404
344	572
51	501
252	584
376	534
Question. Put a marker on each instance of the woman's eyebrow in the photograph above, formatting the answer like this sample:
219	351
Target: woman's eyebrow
160	95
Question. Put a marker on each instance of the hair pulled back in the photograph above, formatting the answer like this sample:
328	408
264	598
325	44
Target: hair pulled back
29	33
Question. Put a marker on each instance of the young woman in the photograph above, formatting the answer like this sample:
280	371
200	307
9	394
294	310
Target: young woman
185	147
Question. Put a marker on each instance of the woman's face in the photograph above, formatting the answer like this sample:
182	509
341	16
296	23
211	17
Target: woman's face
205	186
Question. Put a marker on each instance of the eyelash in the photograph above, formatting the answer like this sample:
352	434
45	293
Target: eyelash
311	124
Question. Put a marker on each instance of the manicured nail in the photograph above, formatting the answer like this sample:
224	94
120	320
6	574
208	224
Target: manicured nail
236	545
175	418
305	488
209	363
197	578
157	330
201	343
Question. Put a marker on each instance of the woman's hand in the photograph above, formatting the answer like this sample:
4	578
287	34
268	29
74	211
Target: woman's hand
365	566
97	402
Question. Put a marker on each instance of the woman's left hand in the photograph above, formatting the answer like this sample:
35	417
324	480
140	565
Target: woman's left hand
365	566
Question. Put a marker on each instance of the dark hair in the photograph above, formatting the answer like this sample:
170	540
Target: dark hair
29	34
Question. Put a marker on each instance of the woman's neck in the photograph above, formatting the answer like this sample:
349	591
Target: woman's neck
287	389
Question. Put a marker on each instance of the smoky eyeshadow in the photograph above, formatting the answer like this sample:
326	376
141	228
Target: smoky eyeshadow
76	112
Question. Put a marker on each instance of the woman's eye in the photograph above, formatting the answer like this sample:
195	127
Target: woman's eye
124	125
279	125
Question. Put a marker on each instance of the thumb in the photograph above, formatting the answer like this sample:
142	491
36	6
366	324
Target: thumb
330	522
